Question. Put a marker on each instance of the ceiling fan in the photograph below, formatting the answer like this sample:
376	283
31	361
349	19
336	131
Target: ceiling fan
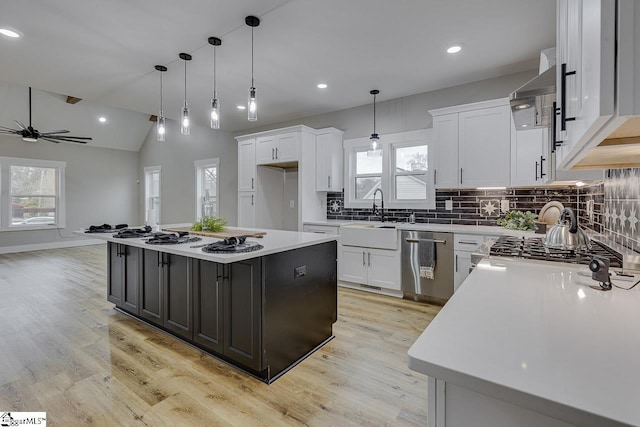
29	134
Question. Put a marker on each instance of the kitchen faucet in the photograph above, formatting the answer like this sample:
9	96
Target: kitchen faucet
375	208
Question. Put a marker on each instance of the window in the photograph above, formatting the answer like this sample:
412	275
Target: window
207	187
32	195
402	172
152	195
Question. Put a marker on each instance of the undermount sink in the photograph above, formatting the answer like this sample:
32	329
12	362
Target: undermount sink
369	235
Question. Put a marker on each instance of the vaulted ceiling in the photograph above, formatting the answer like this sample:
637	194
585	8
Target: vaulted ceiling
105	51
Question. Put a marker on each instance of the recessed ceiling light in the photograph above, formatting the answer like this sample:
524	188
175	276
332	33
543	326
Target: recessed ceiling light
242	107
454	49
322	85
524	125
102	119
9	33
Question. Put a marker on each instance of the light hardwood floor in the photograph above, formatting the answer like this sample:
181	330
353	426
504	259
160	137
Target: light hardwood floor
66	351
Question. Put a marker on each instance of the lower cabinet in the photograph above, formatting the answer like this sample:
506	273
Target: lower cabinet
227	309
124	276
151	295
462	265
373	267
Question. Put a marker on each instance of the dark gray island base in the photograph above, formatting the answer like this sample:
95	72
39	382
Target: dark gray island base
262	315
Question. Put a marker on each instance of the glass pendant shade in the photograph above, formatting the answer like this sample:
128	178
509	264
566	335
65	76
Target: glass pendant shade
185	125
215	114
252	106
374	146
160	127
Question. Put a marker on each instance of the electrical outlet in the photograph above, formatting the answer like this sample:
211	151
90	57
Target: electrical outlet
448	204
300	271
292	204
504	205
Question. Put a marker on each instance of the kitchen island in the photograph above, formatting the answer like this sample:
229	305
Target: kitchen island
531	343
261	311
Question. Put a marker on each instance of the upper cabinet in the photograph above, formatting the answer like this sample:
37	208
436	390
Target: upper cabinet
598	83
247	165
329	157
472	145
277	149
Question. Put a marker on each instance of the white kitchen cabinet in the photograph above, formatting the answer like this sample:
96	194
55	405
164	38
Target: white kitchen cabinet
445	135
329	157
247	165
379	268
472	144
462	265
464	245
529	157
246	209
277	148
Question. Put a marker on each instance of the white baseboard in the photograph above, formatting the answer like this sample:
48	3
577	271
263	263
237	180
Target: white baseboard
50	245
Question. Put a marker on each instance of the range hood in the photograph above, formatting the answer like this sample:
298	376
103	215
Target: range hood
531	103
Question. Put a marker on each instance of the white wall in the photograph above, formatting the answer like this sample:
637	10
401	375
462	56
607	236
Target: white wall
408	113
100	187
178	176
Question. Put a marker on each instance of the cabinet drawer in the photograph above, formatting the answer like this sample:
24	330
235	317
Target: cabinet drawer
467	242
321	229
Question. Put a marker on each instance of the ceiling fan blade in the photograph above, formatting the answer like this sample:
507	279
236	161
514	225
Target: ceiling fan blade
54	131
54	138
51	140
20	124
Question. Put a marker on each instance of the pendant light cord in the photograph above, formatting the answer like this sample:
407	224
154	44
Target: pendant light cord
214	72
160	93
30	105
374	114
252	57
185	82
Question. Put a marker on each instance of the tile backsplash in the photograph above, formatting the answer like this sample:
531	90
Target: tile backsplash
621	211
466	205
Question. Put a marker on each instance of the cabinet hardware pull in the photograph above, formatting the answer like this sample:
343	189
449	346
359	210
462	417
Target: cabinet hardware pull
369	257
456	263
444	242
536	171
542	174
363	261
460	175
276	153
435	176
329	181
554	128
467	242
252	200
563	97
252	183
273	156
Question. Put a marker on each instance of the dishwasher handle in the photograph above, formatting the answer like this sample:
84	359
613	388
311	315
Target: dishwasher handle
444	242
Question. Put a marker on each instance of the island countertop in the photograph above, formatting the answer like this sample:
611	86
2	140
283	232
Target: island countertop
274	241
537	335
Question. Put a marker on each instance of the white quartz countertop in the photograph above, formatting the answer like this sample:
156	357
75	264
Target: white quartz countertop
274	241
537	335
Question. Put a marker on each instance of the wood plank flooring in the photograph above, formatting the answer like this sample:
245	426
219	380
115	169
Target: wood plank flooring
66	351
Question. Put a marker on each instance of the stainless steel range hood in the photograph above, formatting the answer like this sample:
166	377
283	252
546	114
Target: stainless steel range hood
531	104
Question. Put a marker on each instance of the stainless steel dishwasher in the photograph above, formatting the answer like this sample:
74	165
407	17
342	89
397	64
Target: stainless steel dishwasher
441	286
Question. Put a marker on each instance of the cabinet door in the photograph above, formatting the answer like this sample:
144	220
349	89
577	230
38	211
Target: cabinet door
243	313
528	158
132	257
265	150
151	307
115	273
484	147
352	264
247	209
384	268
177	295
462	264
329	162
208	305
445	136
287	147
247	165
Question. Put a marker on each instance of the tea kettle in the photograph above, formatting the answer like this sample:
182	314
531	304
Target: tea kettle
566	234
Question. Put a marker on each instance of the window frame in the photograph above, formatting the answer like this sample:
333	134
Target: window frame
200	166
147	171
6	198
388	145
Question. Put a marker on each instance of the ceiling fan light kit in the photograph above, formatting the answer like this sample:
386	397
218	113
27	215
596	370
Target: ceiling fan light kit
252	106
29	134
161	130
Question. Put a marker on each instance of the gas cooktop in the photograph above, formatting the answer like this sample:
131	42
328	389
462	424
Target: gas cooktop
533	248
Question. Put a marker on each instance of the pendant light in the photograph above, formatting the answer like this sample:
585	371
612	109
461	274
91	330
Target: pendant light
160	125
252	106
374	142
215	103
185	124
